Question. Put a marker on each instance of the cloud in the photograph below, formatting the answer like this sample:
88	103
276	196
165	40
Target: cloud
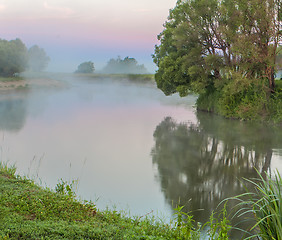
65	11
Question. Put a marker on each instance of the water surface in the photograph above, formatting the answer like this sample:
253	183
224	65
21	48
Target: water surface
131	147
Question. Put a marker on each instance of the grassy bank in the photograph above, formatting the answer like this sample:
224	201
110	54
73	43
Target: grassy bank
28	211
249	103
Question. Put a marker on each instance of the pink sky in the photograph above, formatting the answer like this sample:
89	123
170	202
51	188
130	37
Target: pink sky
72	31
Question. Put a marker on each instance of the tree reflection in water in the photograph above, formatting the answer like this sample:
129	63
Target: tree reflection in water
13	110
201	164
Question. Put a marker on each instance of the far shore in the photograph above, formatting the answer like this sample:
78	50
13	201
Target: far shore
19	83
43	79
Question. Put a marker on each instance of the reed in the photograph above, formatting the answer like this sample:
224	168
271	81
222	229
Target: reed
265	203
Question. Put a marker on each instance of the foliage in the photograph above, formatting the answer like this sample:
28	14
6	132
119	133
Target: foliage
279	57
37	58
124	66
85	67
265	204
218	227
13	57
223	49
185	224
66	188
6	170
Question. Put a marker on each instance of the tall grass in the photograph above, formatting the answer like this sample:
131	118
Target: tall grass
266	205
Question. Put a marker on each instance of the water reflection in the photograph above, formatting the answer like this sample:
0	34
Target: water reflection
13	111
201	164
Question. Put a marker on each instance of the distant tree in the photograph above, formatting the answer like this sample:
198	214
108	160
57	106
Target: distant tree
13	57
85	67
127	65
37	59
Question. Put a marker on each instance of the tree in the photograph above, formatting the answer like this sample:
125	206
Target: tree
126	66
37	59
86	67
223	50
13	57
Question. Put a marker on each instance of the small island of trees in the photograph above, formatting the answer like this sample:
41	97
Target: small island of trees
127	65
85	67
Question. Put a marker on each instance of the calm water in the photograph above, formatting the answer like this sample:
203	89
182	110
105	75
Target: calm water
131	147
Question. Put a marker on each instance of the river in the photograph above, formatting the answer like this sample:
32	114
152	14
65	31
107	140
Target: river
130	147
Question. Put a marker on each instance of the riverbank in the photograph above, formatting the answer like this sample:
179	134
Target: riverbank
22	83
28	211
40	80
252	104
31	212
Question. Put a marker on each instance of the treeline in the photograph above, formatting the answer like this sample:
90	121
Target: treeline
115	66
225	51
124	66
15	58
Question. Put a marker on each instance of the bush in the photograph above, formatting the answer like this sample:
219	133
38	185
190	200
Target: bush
85	67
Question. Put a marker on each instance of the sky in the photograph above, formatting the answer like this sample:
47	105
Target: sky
74	31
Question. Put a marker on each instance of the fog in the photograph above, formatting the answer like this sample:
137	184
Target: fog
67	61
72	32
128	144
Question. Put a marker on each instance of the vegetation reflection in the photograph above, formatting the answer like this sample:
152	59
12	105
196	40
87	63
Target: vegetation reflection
13	112
201	164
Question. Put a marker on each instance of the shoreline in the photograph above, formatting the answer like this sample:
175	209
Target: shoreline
30	211
14	83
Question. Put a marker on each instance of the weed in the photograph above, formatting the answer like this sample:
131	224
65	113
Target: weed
6	170
265	203
65	188
219	229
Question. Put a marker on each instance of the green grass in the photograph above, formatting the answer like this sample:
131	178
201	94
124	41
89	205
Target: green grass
28	211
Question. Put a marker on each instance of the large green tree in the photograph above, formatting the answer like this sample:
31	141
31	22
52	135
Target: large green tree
225	50
37	58
13	57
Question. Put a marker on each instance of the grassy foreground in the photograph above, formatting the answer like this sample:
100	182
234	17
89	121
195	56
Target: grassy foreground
28	211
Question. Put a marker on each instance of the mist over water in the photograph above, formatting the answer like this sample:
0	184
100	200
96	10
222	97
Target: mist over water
99	131
130	146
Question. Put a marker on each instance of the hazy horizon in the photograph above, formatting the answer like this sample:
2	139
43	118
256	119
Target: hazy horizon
72	32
